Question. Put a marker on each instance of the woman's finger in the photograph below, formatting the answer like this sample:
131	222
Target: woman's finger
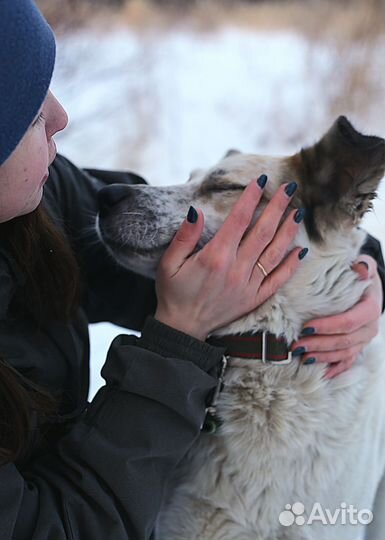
336	342
231	232
276	279
277	249
337	369
365	311
365	266
263	232
332	357
183	243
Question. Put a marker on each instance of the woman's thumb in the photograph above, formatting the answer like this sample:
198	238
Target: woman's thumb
365	266
184	241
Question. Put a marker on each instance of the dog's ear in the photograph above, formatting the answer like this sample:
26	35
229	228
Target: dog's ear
339	177
231	152
195	173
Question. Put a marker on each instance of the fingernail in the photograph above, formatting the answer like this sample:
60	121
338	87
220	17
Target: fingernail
290	188
365	264
302	253
299	215
192	215
309	361
262	181
308	331
298	351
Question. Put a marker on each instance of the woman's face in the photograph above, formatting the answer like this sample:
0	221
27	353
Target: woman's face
23	174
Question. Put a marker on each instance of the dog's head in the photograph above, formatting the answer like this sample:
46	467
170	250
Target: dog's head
337	179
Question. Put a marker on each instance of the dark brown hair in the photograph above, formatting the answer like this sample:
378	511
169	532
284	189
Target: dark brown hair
45	258
50	292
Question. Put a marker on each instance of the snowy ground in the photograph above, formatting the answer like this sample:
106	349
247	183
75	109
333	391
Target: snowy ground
164	104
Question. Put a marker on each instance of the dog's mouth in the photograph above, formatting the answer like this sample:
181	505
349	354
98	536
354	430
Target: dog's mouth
128	245
131	249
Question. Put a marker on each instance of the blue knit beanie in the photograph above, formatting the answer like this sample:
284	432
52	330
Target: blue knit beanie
27	58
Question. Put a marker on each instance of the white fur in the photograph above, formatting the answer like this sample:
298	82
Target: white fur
288	435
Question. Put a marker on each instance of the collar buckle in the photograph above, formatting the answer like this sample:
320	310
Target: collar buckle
284	362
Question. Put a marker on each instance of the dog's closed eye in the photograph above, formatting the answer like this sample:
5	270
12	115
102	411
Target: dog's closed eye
219	186
225	187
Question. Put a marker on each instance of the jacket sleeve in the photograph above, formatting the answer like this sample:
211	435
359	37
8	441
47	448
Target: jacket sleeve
372	247
111	292
106	477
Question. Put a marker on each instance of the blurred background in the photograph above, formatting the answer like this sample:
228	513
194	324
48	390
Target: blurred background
163	87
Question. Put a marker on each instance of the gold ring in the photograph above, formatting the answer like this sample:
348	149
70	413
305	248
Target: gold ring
260	266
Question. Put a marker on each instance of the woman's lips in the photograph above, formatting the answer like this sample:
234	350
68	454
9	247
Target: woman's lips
53	151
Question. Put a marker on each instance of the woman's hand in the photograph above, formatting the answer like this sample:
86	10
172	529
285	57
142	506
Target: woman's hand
200	292
339	339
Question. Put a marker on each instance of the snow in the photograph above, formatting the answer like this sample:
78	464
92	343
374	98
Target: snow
163	104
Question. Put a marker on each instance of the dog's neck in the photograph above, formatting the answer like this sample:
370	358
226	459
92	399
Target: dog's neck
323	285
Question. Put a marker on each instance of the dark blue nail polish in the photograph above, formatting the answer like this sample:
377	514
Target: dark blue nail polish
298	351
308	331
309	361
192	215
299	215
290	188
302	253
262	181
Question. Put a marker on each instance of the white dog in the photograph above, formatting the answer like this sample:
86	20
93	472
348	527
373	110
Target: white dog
286	435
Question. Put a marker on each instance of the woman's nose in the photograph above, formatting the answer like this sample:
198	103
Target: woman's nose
57	117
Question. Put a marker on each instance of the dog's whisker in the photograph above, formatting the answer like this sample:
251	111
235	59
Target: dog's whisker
86	232
154	235
90	214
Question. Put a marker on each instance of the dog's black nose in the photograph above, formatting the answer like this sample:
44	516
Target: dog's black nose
111	195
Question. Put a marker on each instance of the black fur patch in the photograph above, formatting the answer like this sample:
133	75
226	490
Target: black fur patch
340	175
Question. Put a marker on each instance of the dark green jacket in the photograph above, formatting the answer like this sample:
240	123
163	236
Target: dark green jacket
105	477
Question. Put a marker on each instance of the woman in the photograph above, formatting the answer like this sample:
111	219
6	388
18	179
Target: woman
69	469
